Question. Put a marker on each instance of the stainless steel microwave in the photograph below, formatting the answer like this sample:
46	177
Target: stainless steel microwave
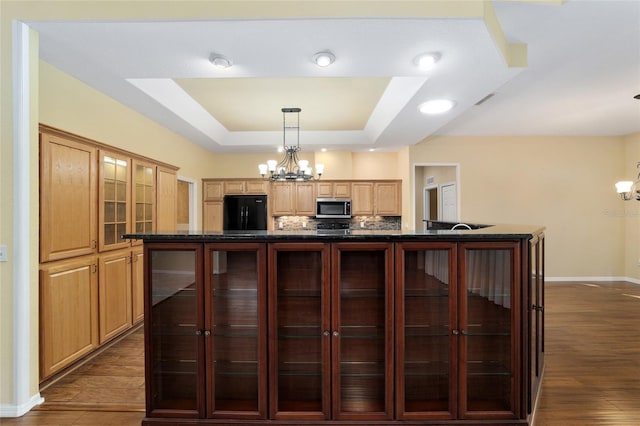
333	208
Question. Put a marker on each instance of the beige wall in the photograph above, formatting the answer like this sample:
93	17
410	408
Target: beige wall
563	183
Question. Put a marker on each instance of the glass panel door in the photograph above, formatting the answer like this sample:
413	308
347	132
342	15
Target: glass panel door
114	196
236	354
426	323
362	340
486	319
144	182
173	330
299	330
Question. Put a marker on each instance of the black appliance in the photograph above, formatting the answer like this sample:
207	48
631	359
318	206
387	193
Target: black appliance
333	208
333	228
245	212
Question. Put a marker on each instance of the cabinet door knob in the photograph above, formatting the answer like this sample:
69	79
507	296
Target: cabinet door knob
326	334
336	334
198	332
207	333
455	332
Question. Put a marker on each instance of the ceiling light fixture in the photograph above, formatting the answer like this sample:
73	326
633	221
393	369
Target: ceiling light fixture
220	61
324	58
426	61
436	106
628	189
290	167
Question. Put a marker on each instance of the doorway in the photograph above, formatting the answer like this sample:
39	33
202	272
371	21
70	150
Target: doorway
436	193
186	207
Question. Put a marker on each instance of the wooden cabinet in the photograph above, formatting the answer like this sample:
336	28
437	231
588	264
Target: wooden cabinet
167	210
362	198
212	216
387	198
333	189
143	201
68	312
114	196
282	199
91	194
68	198
456	325
346	332
212	190
536	316
246	186
380	198
305	199
137	285
115	294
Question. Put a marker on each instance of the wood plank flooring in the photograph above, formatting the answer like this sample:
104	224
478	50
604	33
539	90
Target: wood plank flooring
592	374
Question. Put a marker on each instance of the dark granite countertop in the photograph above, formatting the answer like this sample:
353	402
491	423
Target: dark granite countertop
491	232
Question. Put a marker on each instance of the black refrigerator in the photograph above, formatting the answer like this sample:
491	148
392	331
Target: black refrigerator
245	212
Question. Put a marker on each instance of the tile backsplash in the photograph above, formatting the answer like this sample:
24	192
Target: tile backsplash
300	223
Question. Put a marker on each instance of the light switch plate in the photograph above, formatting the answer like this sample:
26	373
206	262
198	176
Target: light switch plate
3	253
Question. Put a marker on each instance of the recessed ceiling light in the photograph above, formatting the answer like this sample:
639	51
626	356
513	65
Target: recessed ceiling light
219	61
324	150
426	61
371	149
436	106
324	58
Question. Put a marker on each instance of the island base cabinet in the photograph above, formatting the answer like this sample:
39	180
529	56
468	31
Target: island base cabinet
340	333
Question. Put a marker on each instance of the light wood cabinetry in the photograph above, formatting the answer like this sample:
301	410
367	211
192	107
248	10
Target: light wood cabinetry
114	196
68	312
212	216
137	285
212	190
387	198
115	294
143	216
379	198
333	189
305	201
245	186
282	199
167	189
91	194
362	198
68	200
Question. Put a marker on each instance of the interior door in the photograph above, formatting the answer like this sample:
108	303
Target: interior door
449	202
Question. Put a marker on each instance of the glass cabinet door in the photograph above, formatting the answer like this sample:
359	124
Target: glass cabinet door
114	207
235	308
426	330
173	330
143	197
299	333
362	335
488	375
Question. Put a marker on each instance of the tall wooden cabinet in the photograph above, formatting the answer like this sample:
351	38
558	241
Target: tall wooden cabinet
90	195
326	330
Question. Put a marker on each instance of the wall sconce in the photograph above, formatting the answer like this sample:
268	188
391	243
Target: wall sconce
628	189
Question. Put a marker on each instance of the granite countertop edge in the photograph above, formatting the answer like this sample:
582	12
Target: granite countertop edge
501	232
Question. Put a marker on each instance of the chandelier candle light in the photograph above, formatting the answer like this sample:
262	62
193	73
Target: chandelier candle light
290	167
629	190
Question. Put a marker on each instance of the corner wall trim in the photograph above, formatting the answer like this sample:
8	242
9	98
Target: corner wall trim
7	410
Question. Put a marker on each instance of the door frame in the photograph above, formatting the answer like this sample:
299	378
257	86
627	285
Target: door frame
193	201
413	218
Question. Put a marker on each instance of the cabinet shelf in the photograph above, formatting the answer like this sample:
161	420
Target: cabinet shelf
235	293
235	330
487	368
372	293
426	330
297	293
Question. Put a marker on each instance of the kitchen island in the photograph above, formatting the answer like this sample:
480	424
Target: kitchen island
344	327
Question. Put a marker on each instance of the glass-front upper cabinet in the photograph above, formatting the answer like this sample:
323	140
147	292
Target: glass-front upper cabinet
299	331
426	328
143	198
490	288
174	332
114	194
362	332
235	311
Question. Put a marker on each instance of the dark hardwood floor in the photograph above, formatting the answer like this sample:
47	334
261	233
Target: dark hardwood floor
592	374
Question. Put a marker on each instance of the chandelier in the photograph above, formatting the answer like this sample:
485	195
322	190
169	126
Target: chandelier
629	190
290	167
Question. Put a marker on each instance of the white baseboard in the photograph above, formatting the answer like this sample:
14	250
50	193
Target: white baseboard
601	279
10	410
